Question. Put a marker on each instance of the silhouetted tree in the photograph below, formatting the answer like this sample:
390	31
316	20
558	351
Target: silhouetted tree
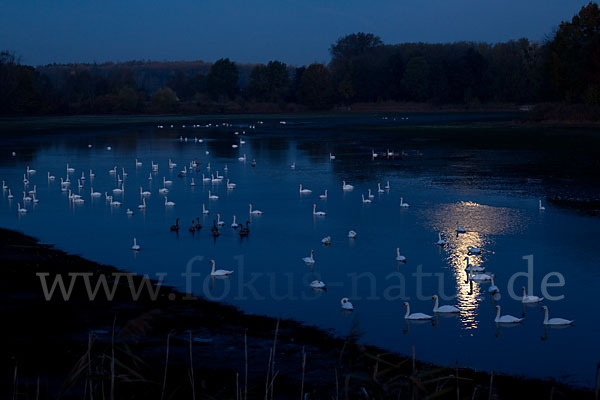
222	80
165	100
316	89
269	83
574	57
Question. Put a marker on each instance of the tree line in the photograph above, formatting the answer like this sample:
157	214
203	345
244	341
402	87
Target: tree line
363	69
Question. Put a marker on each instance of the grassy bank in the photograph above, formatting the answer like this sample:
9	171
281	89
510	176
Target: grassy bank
171	348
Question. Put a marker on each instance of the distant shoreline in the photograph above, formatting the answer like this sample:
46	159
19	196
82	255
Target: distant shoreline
542	115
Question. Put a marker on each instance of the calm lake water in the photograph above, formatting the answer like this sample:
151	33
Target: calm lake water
488	179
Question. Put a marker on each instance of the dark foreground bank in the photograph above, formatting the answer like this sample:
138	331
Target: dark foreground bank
172	348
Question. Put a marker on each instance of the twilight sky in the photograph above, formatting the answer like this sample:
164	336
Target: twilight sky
294	31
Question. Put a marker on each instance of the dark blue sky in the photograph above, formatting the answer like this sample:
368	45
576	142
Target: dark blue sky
294	31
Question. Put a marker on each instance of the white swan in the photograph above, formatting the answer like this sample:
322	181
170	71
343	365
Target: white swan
346	305
351	234
478	277
399	257
34	190
346	186
324	195
473	250
460	229
4	186
493	288
403	204
219	222
373	154
205	178
219	272
506	319
474	268
10	195
365	201
35	200
415	316
555	321
379	189
163	190
94	194
440	242
69	169
443	309
304	191
144	193
530	299
212	196
293	165
168	203
310	259
115	203
129	212
318	213
318	285
138	163
326	240
387	186
331	156
118	190
242	158
92	174
192	183
166	182
21	210
230	185
204	210
26	198
234	224
143	205
541	207
30	171
50	177
370	195
254	212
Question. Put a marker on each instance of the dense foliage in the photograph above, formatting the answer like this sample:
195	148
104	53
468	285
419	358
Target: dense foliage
362	69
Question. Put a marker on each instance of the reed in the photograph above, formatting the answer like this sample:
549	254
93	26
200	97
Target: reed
164	385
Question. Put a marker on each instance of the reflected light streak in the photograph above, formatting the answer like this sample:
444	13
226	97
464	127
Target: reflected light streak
481	223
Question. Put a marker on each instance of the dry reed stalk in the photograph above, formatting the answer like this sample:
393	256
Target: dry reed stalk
112	362
192	370
303	370
162	395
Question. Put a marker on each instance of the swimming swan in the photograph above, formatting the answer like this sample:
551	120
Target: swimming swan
415	316
318	213
219	272
530	299
555	321
506	319
399	258
443	309
310	259
135	247
346	305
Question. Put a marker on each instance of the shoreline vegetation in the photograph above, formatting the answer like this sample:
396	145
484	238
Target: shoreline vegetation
556	81
171	348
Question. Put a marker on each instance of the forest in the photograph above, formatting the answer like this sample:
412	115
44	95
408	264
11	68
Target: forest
564	69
